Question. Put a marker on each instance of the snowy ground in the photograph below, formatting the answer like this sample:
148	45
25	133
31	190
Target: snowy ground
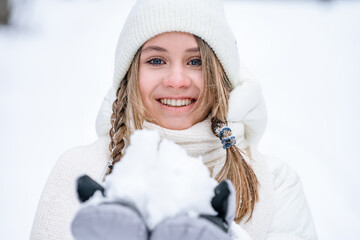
56	65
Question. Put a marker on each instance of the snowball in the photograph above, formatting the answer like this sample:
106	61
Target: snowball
160	179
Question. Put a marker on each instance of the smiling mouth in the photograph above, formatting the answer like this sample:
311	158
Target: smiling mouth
176	102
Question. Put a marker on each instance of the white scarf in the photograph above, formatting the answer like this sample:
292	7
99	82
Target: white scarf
199	140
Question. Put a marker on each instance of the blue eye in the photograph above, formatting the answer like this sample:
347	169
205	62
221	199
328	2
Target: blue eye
156	61
195	62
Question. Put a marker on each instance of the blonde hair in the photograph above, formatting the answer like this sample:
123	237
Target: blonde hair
216	91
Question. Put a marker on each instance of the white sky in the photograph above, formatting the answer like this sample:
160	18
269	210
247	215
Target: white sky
56	66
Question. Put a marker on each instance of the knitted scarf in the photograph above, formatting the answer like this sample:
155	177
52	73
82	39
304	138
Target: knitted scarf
199	140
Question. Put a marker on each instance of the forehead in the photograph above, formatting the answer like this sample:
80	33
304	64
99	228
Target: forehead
177	40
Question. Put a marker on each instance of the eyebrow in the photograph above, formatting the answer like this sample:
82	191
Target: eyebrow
154	48
196	49
160	49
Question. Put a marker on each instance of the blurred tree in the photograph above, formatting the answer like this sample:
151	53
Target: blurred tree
4	11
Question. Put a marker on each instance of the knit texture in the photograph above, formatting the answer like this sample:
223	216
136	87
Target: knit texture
199	140
58	203
203	18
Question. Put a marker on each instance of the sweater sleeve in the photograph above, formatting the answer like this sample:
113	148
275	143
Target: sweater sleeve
291	218
58	202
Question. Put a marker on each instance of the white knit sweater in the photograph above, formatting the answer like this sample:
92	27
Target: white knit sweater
285	216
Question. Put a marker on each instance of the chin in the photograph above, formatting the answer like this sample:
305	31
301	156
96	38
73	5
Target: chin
176	125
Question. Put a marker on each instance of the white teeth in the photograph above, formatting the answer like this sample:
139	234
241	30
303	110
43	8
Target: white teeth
175	102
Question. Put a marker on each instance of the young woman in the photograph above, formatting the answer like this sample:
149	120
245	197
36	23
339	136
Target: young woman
177	71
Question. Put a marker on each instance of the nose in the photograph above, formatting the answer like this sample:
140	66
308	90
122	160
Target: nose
177	78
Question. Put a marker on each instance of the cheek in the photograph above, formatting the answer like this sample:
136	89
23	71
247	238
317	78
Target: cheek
149	80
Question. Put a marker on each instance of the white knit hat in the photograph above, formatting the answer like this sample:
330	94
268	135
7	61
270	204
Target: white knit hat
203	18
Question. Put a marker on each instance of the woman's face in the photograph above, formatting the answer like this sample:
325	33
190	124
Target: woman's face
171	80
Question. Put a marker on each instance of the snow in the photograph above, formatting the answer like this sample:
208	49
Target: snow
56	65
159	180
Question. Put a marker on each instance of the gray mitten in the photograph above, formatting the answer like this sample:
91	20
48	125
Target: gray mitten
206	227
122	221
106	221
189	228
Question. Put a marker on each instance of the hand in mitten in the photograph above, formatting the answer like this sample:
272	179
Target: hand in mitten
113	220
204	227
122	221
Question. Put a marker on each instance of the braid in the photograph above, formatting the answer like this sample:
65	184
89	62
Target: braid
127	96
118	124
238	171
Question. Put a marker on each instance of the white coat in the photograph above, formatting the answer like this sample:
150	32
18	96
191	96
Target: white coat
291	217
